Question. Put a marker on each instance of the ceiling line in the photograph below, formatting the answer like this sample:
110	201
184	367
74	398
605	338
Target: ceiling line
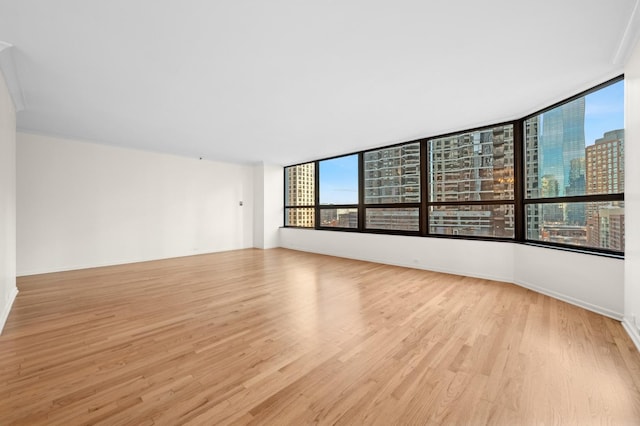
8	69
629	38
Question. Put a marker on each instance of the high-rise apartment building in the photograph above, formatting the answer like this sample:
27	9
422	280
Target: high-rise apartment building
532	175
472	167
605	164
392	175
300	191
605	175
605	229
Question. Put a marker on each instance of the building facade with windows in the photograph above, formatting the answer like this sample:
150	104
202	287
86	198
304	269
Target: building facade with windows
473	168
300	184
605	174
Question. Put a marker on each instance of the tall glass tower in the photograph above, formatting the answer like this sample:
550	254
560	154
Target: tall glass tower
561	147
562	159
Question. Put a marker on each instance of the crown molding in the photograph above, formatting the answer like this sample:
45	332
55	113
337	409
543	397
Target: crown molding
629	38
8	69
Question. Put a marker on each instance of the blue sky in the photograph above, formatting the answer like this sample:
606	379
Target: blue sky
604	111
339	180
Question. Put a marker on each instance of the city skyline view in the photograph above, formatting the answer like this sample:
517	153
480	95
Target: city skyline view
573	150
577	149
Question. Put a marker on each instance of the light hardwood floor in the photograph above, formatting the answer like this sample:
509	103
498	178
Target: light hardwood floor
282	337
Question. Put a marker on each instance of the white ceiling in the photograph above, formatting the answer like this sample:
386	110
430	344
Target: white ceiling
285	81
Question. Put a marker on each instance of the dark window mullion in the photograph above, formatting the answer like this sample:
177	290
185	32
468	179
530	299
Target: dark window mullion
424	190
471	203
392	206
519	181
337	206
316	195
284	193
361	212
577	199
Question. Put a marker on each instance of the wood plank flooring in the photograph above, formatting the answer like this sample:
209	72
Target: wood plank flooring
280	337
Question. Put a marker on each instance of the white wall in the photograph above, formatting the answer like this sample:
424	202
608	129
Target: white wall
8	288
632	196
273	204
258	206
269	199
593	282
82	205
491	260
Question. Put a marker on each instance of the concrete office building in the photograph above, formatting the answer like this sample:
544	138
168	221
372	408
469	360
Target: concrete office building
299	187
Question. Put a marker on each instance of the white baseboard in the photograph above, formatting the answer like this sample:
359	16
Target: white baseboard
4	313
117	262
563	297
577	302
632	332
410	265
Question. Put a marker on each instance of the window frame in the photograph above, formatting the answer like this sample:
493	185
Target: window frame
492	202
319	207
288	207
519	201
524	201
394	205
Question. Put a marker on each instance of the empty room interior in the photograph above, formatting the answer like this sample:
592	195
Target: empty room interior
292	213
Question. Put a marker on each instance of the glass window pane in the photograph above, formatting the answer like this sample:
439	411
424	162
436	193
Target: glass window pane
570	150
472	220
339	180
392	175
472	166
404	219
300	185
592	224
339	218
304	217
